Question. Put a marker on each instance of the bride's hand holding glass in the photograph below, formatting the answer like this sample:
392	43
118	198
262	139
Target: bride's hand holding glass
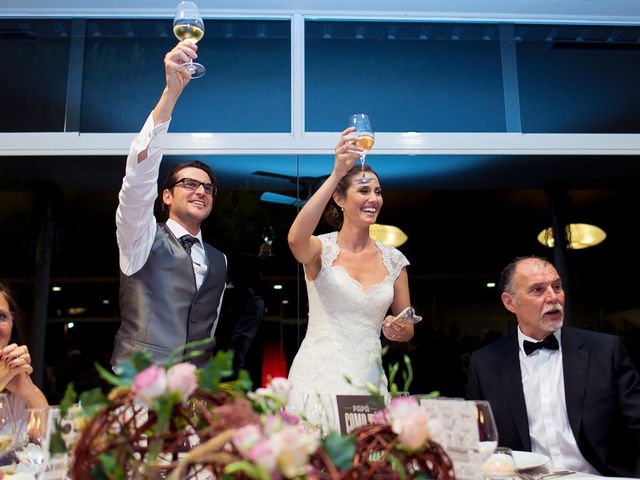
365	138
347	152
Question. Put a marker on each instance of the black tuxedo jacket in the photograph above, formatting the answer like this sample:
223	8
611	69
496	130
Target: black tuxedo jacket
602	394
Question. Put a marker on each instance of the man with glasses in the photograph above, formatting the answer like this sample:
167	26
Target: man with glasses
171	282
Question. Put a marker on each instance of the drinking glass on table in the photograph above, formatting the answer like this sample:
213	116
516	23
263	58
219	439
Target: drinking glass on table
365	140
320	412
37	423
487	432
8	432
188	25
316	410
500	465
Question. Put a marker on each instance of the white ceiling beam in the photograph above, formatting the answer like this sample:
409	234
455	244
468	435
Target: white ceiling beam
321	143
618	12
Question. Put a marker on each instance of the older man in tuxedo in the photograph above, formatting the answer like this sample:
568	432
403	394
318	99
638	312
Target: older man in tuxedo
567	393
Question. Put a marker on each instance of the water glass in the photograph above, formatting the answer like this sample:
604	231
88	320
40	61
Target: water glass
500	465
8	432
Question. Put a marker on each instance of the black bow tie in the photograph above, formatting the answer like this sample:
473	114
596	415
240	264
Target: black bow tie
551	342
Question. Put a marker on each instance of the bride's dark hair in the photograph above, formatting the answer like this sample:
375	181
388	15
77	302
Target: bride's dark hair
332	214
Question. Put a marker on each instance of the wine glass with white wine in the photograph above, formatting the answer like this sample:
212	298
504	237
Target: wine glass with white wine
188	25
365	140
487	432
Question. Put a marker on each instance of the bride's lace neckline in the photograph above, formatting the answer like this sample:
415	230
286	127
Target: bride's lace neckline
332	254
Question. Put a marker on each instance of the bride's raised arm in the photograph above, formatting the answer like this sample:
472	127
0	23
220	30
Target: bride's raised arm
304	246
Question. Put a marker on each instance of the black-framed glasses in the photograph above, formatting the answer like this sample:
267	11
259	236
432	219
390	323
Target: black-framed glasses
5	316
193	184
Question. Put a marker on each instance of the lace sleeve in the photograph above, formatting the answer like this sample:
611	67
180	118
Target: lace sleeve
329	248
394	260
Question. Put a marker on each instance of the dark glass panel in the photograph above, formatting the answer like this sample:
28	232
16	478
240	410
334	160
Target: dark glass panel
34	80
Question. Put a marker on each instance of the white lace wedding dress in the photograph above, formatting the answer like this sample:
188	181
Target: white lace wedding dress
343	334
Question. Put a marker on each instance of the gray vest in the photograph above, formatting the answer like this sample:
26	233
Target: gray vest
160	307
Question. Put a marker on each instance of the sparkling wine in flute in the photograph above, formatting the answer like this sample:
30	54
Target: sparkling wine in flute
365	142
365	139
188	30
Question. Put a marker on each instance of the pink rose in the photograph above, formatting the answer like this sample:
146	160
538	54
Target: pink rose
182	378
409	421
289	418
246	437
293	447
262	455
150	384
280	387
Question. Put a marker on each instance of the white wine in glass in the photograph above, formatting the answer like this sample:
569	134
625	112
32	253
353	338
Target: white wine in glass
365	140
487	431
189	26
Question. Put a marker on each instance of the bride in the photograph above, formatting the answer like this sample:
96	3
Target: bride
352	281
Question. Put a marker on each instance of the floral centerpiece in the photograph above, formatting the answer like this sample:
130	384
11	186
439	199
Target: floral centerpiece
174	421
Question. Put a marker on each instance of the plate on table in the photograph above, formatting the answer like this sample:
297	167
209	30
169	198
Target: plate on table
525	460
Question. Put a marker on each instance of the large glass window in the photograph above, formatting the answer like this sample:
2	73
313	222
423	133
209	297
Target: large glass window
579	79
34	80
247	87
406	76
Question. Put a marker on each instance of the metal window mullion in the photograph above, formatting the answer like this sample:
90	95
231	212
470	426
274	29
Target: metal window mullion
297	76
74	76
510	87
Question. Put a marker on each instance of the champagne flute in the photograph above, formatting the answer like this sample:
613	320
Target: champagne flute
365	140
487	431
188	25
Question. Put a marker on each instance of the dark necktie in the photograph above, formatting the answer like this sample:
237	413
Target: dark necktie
551	342
187	242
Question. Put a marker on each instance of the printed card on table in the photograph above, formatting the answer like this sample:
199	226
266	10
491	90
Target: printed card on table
459	436
357	410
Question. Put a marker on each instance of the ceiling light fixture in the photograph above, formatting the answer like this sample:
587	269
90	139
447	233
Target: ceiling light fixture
387	234
579	236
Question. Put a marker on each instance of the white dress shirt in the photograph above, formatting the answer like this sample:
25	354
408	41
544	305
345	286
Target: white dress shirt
549	428
198	256
135	223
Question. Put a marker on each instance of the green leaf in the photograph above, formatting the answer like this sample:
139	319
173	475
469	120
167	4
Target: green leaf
398	467
340	449
92	401
216	369
56	442
140	360
70	397
244	381
393	371
186	352
249	469
408	374
110	466
421	476
97	472
110	377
